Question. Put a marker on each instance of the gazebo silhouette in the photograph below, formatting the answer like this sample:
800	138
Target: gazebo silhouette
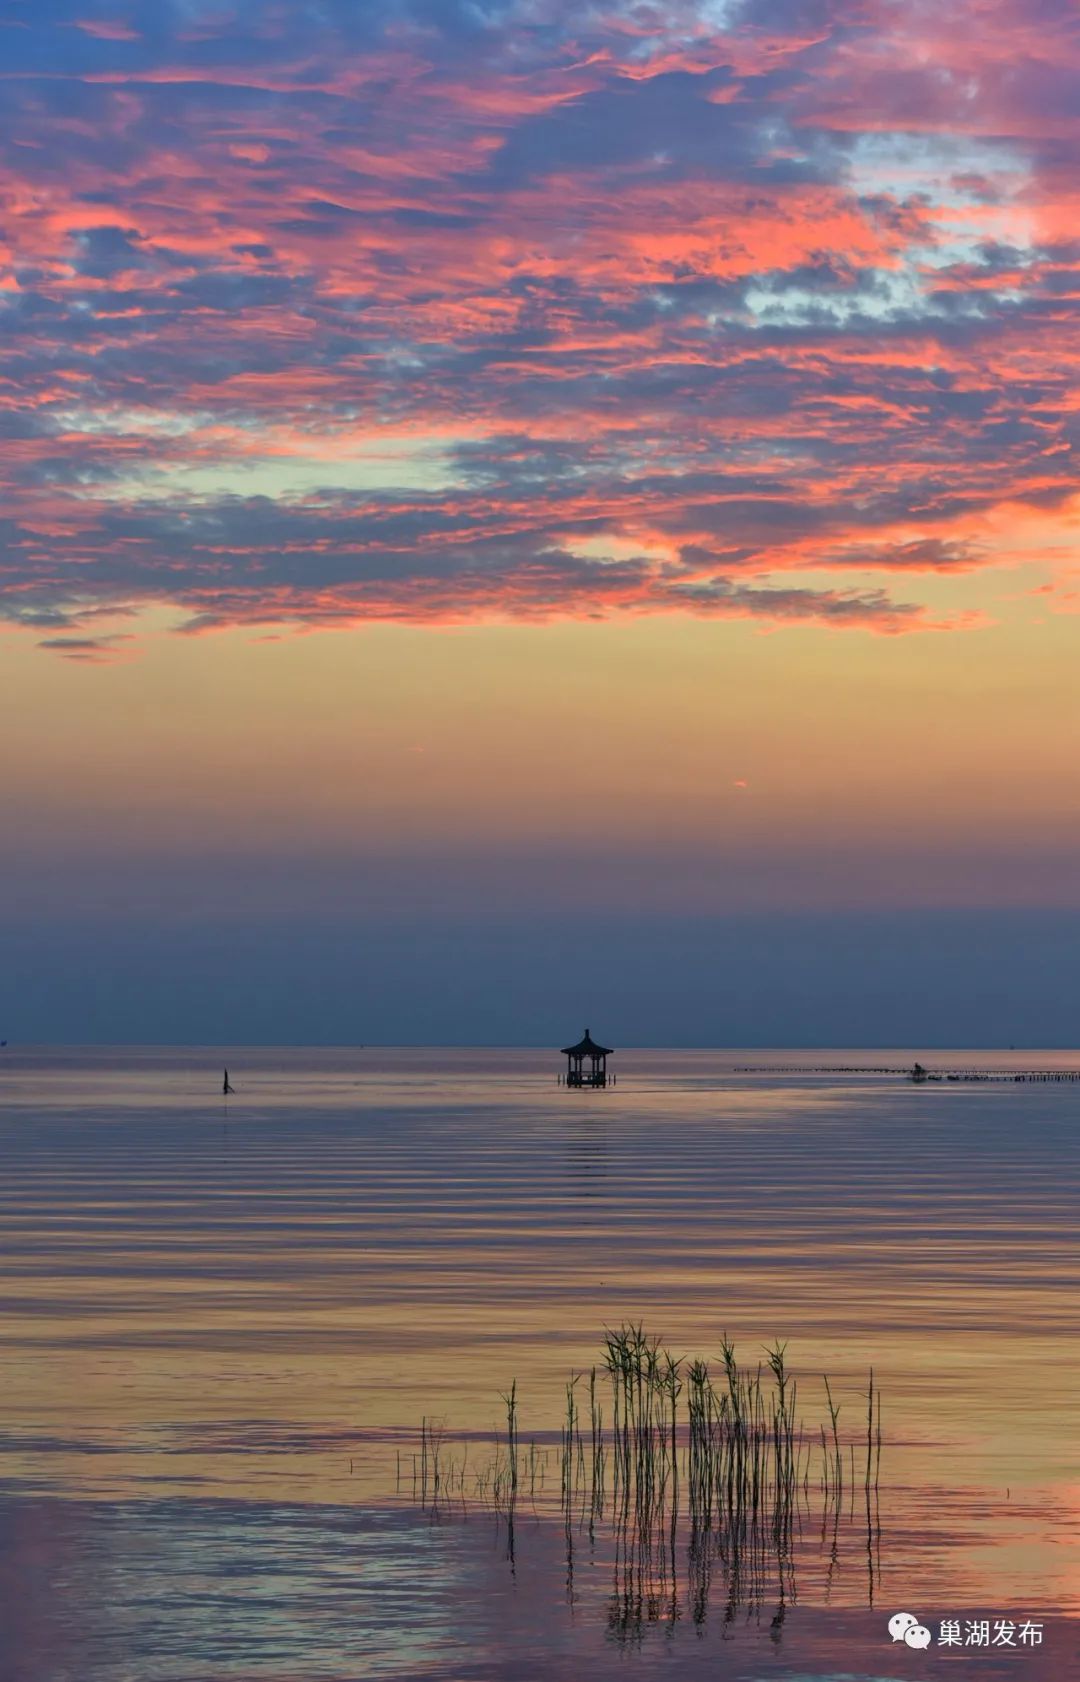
576	1072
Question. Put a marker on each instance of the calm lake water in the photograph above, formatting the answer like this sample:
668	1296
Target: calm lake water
223	1327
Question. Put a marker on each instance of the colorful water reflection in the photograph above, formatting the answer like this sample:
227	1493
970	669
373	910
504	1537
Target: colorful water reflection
223	1326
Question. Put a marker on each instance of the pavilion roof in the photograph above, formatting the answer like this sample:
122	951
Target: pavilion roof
587	1047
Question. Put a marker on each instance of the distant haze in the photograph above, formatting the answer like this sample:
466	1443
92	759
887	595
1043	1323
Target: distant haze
924	978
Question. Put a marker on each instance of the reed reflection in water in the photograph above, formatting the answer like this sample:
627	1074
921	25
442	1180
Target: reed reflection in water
732	1480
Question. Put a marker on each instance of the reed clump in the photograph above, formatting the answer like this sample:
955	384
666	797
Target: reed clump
648	1434
659	1446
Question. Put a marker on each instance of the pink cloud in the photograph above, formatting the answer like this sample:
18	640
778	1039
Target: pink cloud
764	301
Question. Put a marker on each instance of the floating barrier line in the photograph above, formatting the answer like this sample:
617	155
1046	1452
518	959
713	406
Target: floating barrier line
1035	1075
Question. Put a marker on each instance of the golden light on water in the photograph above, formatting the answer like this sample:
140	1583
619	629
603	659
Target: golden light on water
257	1304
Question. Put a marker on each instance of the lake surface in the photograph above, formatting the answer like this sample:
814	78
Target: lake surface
223	1326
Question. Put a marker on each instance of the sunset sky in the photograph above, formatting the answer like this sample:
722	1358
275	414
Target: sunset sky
518	512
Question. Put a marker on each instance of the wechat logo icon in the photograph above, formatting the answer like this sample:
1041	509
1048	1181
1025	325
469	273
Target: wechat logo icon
905	1626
